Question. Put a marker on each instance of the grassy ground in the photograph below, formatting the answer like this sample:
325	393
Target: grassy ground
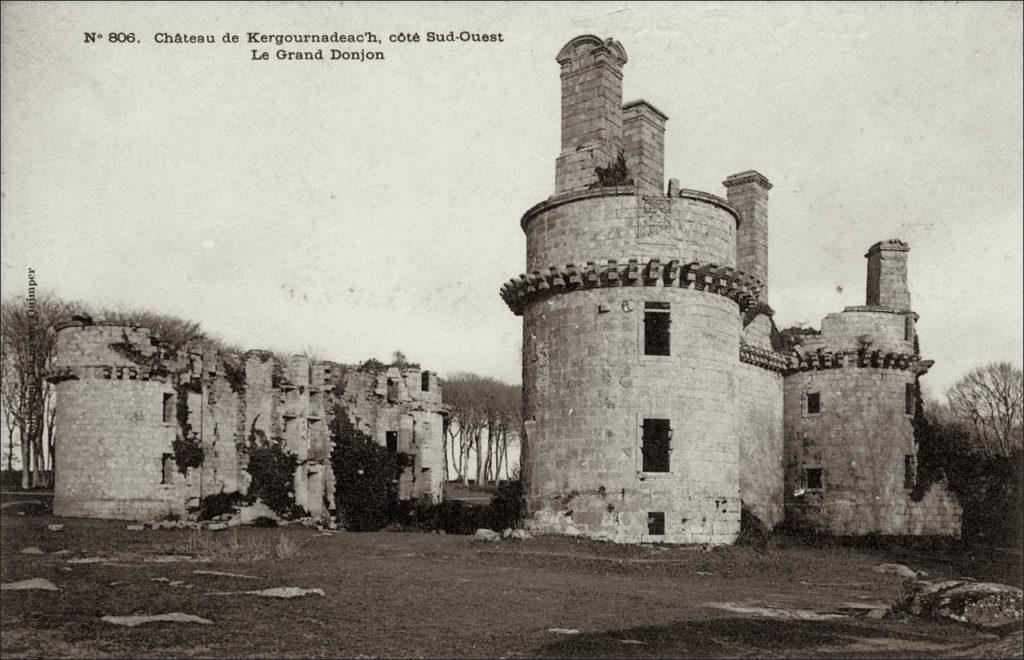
426	595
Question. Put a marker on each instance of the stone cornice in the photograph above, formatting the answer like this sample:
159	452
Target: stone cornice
711	278
822	359
764	358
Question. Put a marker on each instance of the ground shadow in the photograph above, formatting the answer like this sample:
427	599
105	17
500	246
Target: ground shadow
733	637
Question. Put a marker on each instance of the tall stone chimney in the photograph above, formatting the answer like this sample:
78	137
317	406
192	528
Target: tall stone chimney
887	275
748	192
643	144
591	110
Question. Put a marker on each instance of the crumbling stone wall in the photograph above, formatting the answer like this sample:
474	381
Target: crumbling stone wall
123	400
406	402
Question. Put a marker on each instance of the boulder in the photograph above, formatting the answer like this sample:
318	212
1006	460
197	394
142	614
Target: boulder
506	533
520	535
897	569
172	617
135	528
984	604
247	514
31	551
487	535
41	584
217	526
55	528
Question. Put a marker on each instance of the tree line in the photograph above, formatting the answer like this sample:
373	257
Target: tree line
486	416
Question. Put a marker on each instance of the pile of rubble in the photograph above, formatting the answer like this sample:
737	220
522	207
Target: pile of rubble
257	514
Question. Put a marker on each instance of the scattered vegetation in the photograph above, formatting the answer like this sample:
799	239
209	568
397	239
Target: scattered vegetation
227	547
616	174
286	547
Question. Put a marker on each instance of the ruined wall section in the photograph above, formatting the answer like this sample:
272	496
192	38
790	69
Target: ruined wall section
403	404
116	420
214	411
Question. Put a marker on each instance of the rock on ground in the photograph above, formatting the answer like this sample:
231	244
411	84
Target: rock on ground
897	569
33	583
172	617
520	535
31	551
564	631
247	514
486	535
985	604
55	528
275	592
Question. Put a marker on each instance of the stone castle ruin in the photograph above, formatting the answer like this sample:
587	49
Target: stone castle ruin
659	398
145	432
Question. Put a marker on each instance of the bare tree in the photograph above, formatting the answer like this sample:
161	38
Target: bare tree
991	400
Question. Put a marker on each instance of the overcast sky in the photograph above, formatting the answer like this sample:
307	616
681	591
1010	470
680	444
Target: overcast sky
359	208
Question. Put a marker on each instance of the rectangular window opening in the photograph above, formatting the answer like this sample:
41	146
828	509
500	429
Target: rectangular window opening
391	438
392	390
657	319
656	523
656	445
908	328
425	381
812	477
813	403
167	467
909	471
168	408
910	400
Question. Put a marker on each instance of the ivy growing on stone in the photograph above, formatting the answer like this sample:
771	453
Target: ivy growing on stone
272	469
234	373
127	349
366	477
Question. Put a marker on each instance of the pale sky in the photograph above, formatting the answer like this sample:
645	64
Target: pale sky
359	208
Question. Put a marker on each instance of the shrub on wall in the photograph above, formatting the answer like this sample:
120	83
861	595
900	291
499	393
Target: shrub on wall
218	504
366	477
272	470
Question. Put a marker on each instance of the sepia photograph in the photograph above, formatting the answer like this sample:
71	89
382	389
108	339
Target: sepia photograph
511	329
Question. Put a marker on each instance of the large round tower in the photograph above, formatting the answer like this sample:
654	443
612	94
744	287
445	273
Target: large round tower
632	307
116	421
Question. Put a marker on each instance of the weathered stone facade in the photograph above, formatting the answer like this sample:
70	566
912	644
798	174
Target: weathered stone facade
123	400
655	402
851	457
